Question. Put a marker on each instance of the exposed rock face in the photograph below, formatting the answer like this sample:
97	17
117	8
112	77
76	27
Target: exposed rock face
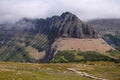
66	25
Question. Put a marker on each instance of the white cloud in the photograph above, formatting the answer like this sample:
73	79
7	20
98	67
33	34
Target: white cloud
84	9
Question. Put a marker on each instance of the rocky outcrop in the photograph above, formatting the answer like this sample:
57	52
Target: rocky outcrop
66	25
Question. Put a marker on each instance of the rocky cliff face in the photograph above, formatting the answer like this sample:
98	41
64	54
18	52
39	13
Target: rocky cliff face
66	25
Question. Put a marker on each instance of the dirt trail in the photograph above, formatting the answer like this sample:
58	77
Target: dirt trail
85	74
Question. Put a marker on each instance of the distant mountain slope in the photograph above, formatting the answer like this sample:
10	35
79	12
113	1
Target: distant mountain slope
113	40
104	26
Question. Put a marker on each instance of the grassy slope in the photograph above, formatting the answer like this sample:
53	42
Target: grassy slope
24	71
16	49
78	56
14	52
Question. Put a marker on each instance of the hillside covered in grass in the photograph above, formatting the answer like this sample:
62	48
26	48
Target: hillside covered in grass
80	56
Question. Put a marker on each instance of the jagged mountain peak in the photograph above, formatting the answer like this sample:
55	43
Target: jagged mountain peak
69	25
69	16
65	25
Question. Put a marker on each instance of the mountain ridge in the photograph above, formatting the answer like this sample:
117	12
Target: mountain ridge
67	24
105	26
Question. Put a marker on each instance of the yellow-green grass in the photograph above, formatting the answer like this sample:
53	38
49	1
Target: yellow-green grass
58	71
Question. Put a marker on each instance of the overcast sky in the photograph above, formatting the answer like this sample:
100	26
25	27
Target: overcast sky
84	9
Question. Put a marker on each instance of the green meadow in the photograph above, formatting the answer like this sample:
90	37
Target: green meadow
58	71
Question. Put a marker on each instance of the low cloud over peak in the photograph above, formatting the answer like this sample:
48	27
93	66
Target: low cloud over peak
85	9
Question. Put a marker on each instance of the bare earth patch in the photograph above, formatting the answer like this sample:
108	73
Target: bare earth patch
82	44
34	53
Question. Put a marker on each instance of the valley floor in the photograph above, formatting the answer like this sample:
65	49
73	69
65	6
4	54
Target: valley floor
59	71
